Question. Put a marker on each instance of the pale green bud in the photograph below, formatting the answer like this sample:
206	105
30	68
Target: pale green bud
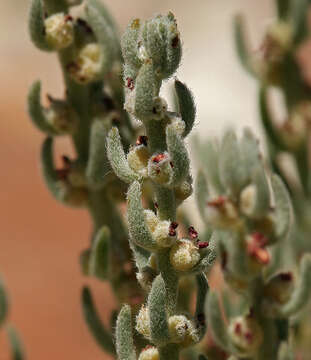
59	31
184	255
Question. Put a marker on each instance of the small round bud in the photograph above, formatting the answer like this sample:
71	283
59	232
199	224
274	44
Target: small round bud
138	158
245	334
178	327
159	108
61	116
248	199
184	190
184	255
149	353
165	234
59	31
178	124
87	67
279	289
143	322
222	213
151	219
160	168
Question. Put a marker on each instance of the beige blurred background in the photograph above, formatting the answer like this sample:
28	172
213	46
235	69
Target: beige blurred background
40	239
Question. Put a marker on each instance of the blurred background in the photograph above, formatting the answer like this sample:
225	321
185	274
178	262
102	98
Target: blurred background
40	239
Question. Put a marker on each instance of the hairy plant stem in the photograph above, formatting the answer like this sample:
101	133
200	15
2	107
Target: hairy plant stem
165	198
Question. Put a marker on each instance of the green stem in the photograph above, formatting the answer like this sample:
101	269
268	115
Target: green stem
169	352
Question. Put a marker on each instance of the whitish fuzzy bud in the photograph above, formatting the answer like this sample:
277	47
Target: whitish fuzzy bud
184	190
178	327
248	199
160	168
151	220
61	117
165	234
59	31
87	66
221	213
150	353
143	322
184	255
138	158
245	334
159	108
178	124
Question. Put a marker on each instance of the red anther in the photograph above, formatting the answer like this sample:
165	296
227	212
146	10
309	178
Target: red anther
158	158
249	336
260	239
172	228
260	254
218	202
156	205
193	234
203	244
175	41
286	276
174	224
130	83
68	18
142	140
147	347
237	328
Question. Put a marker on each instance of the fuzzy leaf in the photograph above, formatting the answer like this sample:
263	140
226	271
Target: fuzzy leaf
267	121
231	169
283	206
262	202
216	321
49	173
98	164
129	44
4	304
146	89
250	152
302	292
141	255
35	110
138	229
200	303
36	25
104	34
241	44
201	193
117	157
124	335
158	318
96	327
99	257
16	346
186	105
178	154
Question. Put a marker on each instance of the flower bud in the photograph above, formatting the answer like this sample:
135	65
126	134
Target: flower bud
248	199
159	108
59	31
178	124
280	288
151	219
165	234
61	116
149	353
138	156
222	213
245	334
184	255
87	67
184	190
143	322
256	250
178	327
160	168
